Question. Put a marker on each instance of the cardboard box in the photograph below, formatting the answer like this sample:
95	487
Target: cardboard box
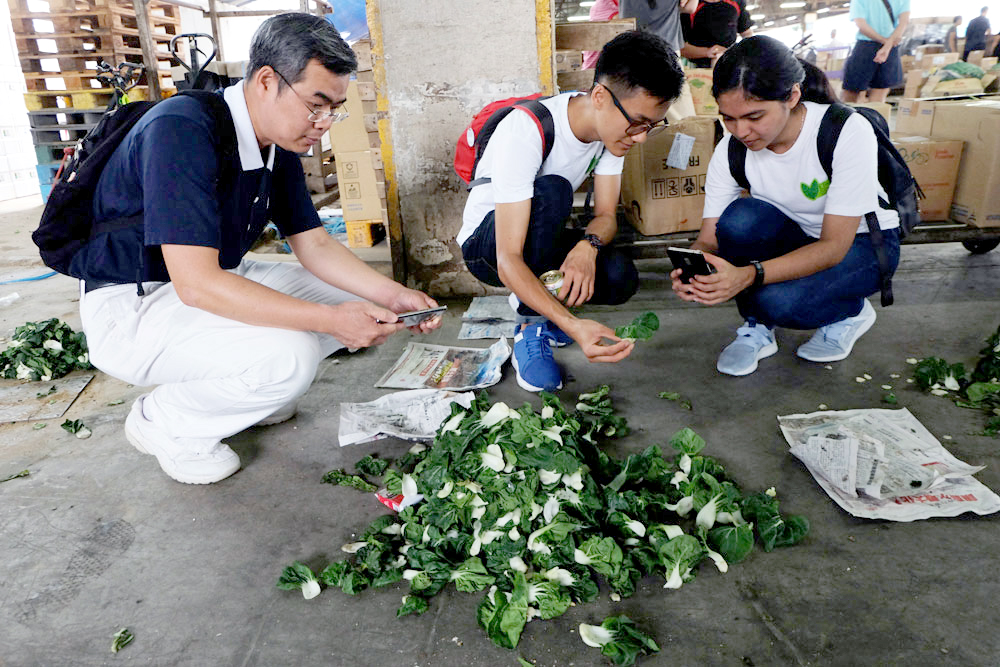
933	61
975	57
913	83
659	199
359	186
700	82
937	88
977	191
882	107
989	62
364	233
934	163
568	60
350	134
915	116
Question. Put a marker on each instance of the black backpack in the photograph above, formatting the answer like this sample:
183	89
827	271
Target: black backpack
67	221
893	174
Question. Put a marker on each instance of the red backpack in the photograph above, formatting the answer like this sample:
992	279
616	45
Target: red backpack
472	143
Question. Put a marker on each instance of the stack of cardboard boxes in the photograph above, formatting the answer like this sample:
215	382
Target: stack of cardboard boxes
358	156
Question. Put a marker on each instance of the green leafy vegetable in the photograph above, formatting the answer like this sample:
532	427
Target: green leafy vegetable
121	639
44	351
370	465
619	639
23	473
641	328
525	508
674	396
299	577
77	428
340	478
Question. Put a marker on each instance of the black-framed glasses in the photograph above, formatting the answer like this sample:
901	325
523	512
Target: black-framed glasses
315	115
637	126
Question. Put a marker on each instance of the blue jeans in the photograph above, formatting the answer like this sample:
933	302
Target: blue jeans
752	229
546	245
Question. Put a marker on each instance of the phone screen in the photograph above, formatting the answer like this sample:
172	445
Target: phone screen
690	262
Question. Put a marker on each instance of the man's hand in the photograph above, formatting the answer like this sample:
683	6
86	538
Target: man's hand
579	269
715	288
359	324
592	337
883	53
407	299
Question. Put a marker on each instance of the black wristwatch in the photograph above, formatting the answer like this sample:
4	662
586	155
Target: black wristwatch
758	279
594	240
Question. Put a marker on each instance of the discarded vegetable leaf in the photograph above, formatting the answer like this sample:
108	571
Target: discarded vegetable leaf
370	465
77	428
44	351
299	576
121	639
619	639
23	473
341	478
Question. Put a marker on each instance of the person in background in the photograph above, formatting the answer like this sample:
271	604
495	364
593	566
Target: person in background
514	224
874	64
976	33
661	17
712	27
796	253
951	39
601	10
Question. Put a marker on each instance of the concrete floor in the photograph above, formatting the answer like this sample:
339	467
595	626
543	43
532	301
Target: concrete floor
98	537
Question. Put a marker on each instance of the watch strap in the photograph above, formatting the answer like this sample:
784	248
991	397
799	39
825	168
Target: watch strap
594	240
758	279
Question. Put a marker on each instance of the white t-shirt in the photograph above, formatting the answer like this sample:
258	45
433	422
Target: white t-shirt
514	153
795	182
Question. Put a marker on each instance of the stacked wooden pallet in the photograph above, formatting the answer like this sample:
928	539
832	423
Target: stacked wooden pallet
59	48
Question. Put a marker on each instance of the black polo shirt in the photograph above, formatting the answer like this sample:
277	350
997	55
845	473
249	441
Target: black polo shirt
715	23
168	169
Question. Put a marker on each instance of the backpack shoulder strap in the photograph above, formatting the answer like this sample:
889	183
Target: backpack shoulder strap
738	162
225	127
536	110
829	133
888	8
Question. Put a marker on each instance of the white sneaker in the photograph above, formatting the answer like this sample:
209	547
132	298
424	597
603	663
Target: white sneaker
514	302
835	341
181	463
753	342
282	415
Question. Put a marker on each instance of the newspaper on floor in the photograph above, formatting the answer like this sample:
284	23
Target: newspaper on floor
441	367
409	415
488	317
883	464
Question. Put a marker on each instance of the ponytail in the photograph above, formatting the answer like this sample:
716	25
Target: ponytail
816	87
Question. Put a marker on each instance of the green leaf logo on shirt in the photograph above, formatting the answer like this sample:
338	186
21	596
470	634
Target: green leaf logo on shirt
593	164
815	190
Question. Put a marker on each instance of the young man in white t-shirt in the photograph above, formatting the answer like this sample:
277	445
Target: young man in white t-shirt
514	230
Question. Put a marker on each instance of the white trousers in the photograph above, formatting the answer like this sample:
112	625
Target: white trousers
215	376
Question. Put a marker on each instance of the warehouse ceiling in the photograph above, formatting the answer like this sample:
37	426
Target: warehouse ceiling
781	12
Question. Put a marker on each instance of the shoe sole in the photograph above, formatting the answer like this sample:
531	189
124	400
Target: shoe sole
764	353
136	442
840	357
524	384
272	420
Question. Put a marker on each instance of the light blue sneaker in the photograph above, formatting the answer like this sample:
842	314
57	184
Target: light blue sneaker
557	337
754	342
536	369
835	341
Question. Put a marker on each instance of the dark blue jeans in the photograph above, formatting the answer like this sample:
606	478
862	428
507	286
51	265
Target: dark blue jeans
547	244
752	229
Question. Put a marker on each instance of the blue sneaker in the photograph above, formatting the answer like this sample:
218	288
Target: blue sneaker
536	369
753	342
557	337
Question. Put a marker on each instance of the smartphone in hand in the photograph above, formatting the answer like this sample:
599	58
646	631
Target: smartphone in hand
415	317
690	262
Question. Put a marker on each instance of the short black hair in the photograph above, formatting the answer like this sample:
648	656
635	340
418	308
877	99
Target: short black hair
287	42
640	59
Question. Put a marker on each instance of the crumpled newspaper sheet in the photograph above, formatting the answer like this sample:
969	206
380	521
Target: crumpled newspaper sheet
883	464
409	415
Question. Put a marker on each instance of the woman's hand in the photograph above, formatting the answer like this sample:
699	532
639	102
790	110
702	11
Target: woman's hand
716	288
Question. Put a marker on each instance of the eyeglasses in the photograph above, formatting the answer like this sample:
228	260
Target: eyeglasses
637	126
315	115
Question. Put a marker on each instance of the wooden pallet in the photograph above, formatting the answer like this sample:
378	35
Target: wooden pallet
74	81
82	99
